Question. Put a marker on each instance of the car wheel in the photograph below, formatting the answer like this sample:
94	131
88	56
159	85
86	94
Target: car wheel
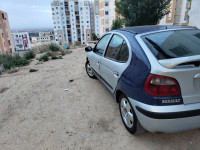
89	70
128	116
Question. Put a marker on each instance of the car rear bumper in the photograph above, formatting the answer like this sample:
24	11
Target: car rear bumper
167	119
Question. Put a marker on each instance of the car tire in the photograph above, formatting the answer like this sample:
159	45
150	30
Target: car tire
128	116
89	70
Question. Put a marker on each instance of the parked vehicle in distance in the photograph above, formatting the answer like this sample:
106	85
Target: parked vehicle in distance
153	72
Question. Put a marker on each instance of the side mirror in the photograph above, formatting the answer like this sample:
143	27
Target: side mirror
88	49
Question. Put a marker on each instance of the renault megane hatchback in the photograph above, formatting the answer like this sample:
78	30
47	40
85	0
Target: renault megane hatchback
153	72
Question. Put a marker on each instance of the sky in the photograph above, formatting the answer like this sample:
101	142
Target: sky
28	14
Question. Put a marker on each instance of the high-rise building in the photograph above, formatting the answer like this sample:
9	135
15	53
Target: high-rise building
6	41
72	20
178	13
96	18
85	21
60	11
108	14
194	14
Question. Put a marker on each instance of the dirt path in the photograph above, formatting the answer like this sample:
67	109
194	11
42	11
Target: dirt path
37	114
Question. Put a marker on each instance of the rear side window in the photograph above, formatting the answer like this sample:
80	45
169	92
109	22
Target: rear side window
114	47
174	44
101	46
123	53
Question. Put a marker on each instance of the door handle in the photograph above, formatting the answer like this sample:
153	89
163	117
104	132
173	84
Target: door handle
116	74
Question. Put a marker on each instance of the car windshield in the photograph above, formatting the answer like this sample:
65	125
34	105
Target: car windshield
174	44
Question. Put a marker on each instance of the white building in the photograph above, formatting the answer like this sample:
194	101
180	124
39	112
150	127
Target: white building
85	21
97	18
194	14
59	20
44	37
21	41
73	20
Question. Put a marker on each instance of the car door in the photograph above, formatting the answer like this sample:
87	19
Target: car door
97	53
114	62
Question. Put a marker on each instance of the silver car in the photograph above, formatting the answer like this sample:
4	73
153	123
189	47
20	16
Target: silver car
153	72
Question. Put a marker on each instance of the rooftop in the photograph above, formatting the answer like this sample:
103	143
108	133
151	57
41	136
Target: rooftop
150	28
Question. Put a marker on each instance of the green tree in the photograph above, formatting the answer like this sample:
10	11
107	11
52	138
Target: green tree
94	37
117	24
142	12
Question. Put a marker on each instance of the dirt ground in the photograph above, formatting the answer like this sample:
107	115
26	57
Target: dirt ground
37	114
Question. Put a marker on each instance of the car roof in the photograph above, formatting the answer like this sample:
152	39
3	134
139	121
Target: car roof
150	28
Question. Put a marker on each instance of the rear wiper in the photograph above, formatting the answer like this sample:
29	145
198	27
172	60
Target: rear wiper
156	46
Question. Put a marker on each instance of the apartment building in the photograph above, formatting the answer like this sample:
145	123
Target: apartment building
59	20
43	37
96	18
178	15
85	21
108	14
72	20
21	41
194	14
6	41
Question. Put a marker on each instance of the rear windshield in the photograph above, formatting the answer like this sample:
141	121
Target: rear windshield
174	44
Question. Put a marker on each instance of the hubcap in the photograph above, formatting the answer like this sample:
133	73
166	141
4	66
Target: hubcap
89	70
127	113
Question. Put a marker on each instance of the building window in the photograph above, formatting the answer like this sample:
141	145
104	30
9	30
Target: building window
53	9
56	7
106	3
57	13
106	12
0	26
2	35
87	21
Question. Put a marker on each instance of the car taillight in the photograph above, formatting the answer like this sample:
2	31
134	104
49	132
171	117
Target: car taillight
162	86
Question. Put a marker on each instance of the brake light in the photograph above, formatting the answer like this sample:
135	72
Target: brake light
162	86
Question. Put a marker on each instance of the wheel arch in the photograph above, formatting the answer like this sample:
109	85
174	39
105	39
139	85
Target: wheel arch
117	95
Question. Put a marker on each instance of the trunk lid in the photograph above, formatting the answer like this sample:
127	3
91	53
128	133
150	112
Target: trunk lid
187	74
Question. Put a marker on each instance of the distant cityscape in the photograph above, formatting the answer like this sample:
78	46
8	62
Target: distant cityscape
82	20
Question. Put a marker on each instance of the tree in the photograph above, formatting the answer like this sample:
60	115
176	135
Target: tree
117	24
142	12
94	37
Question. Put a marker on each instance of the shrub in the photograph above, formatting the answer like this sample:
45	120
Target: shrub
33	70
44	57
29	55
63	52
54	57
50	53
12	71
54	47
9	61
60	57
